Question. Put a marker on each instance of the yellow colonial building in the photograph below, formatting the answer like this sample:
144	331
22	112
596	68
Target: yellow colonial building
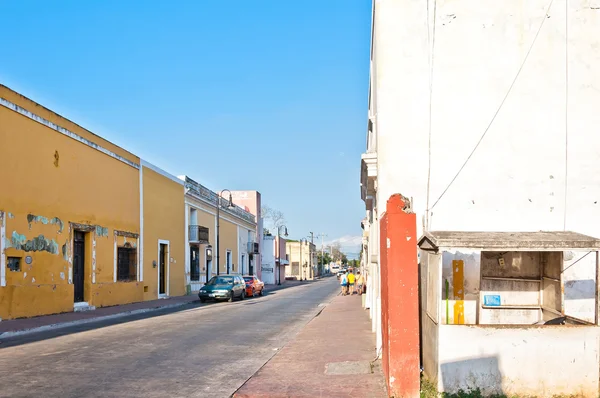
83	222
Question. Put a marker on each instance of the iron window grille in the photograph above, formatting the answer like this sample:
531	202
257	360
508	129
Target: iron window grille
126	264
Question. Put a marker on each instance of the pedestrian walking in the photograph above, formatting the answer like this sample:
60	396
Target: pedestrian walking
351	280
360	281
344	283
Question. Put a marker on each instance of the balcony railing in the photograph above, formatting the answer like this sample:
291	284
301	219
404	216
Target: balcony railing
201	191
198	234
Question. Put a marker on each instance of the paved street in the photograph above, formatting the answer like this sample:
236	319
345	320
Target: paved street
197	351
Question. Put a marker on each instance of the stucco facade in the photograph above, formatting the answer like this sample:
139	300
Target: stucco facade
303	260
72	214
236	228
482	113
251	201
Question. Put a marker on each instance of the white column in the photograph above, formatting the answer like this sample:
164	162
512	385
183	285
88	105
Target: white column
186	233
2	240
141	236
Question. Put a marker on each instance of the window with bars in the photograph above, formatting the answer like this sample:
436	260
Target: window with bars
126	264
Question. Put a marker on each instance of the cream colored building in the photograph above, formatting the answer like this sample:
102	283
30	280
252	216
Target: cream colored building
237	236
303	260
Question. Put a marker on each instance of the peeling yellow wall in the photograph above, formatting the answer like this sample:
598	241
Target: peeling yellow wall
164	219
207	220
228	239
48	180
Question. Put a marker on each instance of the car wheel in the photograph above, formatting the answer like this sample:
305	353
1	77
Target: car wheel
203	300
243	295
262	291
230	299
253	292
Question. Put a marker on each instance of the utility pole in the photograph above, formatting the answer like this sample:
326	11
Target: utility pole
312	239
322	235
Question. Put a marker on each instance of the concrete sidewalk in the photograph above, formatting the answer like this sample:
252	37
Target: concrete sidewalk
331	357
18	327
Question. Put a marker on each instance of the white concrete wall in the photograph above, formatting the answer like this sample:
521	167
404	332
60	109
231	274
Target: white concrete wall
243	249
268	260
528	361
517	179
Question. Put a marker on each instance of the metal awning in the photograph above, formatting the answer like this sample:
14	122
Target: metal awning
512	241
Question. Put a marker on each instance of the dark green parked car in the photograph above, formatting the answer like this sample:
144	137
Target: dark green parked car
223	287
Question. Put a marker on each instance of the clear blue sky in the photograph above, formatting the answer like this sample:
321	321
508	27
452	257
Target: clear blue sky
264	95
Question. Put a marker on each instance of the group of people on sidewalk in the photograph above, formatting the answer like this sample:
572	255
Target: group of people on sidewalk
351	283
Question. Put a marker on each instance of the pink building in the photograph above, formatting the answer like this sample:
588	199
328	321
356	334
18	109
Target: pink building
251	202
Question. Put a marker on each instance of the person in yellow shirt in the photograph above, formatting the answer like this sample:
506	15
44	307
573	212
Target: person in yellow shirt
351	280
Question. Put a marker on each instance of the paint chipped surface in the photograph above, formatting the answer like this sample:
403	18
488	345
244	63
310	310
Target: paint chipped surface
38	244
65	251
101	231
32	218
62	276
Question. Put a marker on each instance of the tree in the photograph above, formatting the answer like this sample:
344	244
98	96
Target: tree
273	219
326	259
336	251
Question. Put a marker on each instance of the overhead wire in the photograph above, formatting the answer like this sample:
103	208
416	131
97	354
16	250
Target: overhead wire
431	44
499	107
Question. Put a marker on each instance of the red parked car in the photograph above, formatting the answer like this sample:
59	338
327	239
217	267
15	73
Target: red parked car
254	286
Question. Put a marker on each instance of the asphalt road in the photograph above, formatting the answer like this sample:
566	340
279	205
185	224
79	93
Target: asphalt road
206	350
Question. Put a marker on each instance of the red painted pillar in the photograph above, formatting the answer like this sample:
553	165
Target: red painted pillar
400	283
384	292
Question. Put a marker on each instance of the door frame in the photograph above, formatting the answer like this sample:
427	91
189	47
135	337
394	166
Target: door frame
192	248
228	261
84	235
167	268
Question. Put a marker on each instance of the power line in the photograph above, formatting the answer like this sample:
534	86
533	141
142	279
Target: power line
499	107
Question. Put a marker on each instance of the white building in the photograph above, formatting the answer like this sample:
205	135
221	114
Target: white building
274	260
484	113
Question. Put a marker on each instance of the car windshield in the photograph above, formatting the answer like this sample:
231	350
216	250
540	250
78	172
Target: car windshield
248	278
220	280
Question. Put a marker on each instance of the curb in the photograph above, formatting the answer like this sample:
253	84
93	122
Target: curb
62	325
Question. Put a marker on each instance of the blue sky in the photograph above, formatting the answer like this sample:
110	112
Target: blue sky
268	95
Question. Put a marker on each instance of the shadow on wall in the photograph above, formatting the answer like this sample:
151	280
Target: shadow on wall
582	289
471	375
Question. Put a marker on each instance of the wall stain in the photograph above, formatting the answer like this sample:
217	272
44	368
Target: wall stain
101	231
31	218
37	244
65	251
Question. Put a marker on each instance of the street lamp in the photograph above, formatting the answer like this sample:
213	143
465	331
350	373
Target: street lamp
208	258
279	249
229	205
